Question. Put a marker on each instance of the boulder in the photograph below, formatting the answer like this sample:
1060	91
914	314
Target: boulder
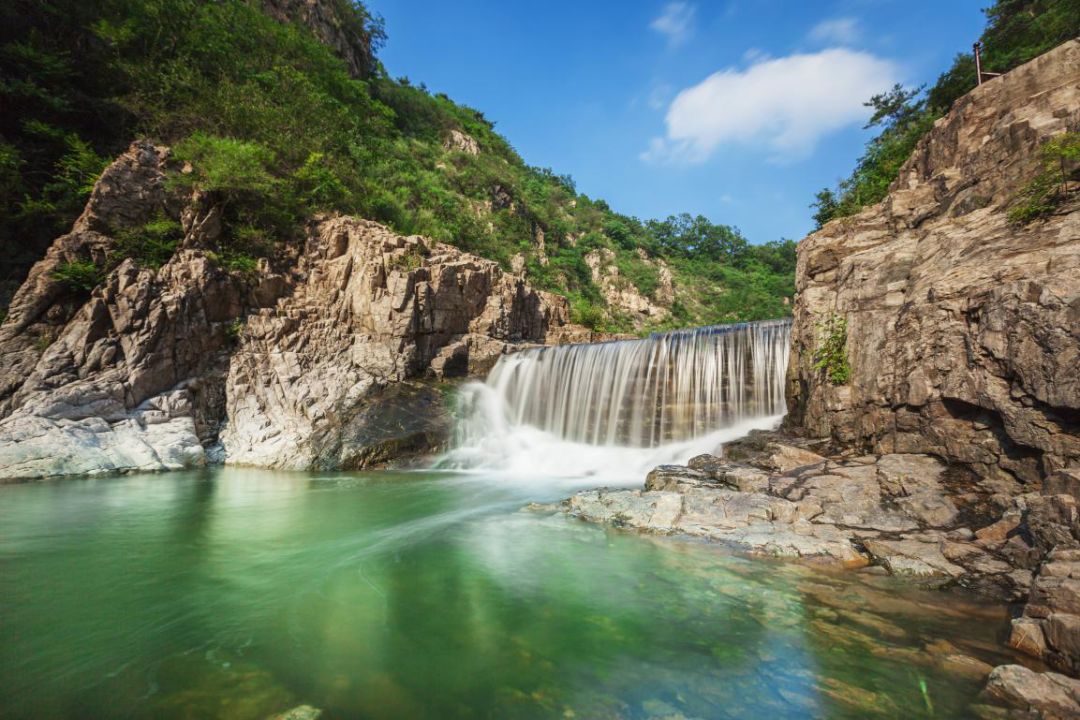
1049	694
1049	628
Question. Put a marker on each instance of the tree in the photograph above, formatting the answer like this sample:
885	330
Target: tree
827	207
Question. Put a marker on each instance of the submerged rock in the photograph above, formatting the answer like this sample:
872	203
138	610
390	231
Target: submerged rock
300	712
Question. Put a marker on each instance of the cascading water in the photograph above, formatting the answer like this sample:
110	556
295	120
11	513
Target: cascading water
617	409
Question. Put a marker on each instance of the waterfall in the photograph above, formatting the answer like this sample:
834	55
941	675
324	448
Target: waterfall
617	407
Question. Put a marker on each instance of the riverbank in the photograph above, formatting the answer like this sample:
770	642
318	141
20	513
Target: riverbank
905	515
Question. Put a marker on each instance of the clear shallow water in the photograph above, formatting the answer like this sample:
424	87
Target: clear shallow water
240	593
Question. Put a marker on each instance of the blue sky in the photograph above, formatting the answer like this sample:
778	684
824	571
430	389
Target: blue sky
738	110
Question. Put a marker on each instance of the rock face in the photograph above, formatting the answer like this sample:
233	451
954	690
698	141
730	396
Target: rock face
119	379
623	297
963	330
963	340
302	363
372	309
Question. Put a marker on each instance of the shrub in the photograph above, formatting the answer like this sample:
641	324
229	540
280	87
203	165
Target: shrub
830	357
1050	188
151	244
225	165
79	275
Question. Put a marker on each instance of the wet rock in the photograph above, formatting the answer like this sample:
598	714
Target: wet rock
673	477
894	510
653	511
1050	694
912	557
401	423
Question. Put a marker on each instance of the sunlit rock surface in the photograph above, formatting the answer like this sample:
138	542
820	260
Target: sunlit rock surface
171	367
963	328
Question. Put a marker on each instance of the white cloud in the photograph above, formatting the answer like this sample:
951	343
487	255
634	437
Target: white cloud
784	105
838	31
676	22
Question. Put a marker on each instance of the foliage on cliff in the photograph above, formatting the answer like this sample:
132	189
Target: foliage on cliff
1060	160
1017	31
272	123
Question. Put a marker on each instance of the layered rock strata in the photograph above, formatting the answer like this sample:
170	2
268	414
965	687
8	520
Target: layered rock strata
963	328
962	341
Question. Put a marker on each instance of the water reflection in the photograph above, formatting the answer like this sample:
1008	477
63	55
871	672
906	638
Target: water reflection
238	593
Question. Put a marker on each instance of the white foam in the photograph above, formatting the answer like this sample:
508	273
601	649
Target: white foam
591	415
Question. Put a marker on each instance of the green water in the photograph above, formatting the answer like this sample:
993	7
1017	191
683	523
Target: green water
241	593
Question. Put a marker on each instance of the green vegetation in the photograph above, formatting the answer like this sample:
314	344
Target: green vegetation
274	127
150	245
1060	157
79	275
830	358
1016	32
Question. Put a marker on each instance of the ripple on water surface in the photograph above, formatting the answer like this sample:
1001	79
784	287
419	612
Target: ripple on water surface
241	593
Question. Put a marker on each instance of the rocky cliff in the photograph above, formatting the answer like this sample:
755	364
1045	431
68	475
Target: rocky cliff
963	342
324	356
963	328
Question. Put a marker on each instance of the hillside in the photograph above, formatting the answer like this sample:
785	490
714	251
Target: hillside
1016	32
278	112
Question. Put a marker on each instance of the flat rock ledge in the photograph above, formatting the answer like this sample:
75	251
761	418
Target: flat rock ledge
905	515
892	511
